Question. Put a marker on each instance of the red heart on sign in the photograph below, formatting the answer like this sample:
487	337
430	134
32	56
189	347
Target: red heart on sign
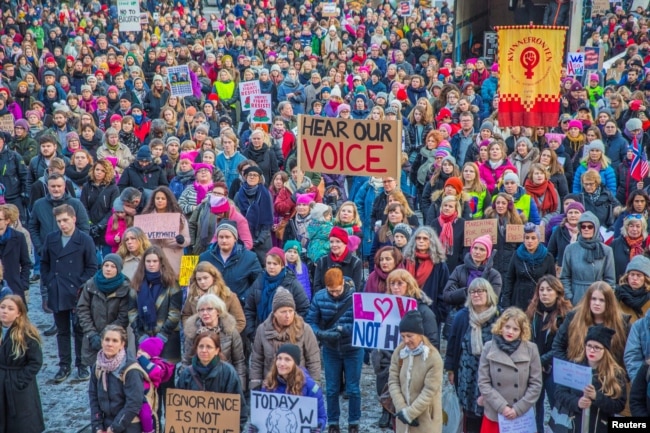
380	305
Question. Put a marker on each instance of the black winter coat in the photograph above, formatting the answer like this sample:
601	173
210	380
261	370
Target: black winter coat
96	310
20	400
458	248
13	173
255	297
560	239
14	255
521	279
351	267
455	292
42	222
265	160
148	178
639	398
502	252
98	201
120	403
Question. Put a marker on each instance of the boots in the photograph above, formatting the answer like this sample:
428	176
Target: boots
384	420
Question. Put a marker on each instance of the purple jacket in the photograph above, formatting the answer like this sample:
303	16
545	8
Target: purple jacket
302	278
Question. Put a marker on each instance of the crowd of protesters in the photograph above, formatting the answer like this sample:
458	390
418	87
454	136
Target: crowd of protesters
98	138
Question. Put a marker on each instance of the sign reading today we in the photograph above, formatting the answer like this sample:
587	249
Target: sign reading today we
376	319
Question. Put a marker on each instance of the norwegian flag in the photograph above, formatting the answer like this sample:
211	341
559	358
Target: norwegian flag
639	168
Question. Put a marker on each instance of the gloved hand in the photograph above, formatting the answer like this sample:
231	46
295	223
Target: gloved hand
96	342
252	429
94	231
402	417
329	335
180	239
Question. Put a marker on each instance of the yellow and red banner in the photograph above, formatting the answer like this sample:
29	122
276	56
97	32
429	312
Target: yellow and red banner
530	60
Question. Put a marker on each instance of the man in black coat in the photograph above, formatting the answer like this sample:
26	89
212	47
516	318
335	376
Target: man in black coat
68	260
14	255
13	176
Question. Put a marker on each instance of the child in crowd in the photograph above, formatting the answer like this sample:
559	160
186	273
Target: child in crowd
292	258
159	371
318	231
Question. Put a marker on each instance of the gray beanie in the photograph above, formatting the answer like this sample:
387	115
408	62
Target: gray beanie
639	263
282	298
229	225
511	176
449	158
116	260
487	125
633	124
404	229
319	211
597	145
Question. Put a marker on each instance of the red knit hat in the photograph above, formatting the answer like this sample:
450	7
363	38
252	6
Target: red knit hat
456	183
340	234
275	251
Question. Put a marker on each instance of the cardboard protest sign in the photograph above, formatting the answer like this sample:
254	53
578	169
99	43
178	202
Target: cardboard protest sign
515	233
405	8
575	64
376	319
188	263
477	228
272	413
599	7
201	411
128	15
7	123
329	9
246	90
178	78
262	108
346	146
159	225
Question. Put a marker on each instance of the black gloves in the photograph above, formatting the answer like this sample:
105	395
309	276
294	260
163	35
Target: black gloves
400	415
180	239
96	342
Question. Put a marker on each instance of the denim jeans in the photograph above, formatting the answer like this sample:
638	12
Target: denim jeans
350	362
548	387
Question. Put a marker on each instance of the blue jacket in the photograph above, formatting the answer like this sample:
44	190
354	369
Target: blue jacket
615	149
297	101
488	91
309	389
323	308
240	270
364	199
607	177
229	166
637	348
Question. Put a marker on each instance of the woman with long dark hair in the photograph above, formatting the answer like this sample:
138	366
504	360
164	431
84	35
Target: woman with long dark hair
546	313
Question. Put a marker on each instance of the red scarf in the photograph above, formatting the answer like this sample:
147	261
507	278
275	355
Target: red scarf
340	258
421	268
636	246
547	189
447	232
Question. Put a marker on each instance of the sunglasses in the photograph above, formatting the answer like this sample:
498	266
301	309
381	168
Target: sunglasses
587	226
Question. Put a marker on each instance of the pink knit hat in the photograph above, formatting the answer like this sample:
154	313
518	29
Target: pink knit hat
486	241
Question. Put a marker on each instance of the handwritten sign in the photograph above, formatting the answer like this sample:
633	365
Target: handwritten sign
478	228
405	8
329	9
575	64
346	146
159	225
246	90
261	108
571	375
593	59
376	319
201	411
128	15
521	424
599	7
178	78
7	123
515	233
272	413
188	263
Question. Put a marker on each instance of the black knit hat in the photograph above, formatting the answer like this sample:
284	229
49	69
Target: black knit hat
412	322
600	334
292	350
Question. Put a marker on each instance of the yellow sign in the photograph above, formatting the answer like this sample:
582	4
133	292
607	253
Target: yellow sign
188	263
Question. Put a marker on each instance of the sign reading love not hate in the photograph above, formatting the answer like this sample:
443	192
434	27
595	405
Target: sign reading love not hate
376	319
346	146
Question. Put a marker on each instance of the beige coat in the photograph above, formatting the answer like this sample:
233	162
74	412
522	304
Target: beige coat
173	251
514	381
233	307
416	388
267	342
232	349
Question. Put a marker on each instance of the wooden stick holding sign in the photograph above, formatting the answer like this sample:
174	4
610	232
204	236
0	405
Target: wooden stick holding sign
478	228
159	225
353	147
201	411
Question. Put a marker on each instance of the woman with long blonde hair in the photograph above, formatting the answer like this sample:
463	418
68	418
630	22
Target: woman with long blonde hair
206	278
21	358
597	307
480	198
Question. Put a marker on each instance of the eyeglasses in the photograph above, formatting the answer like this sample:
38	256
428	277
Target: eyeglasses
588	184
206	310
421	238
587	226
218	194
388	180
477	292
592	348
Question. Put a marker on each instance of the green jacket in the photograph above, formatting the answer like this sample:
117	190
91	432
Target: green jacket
27	147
